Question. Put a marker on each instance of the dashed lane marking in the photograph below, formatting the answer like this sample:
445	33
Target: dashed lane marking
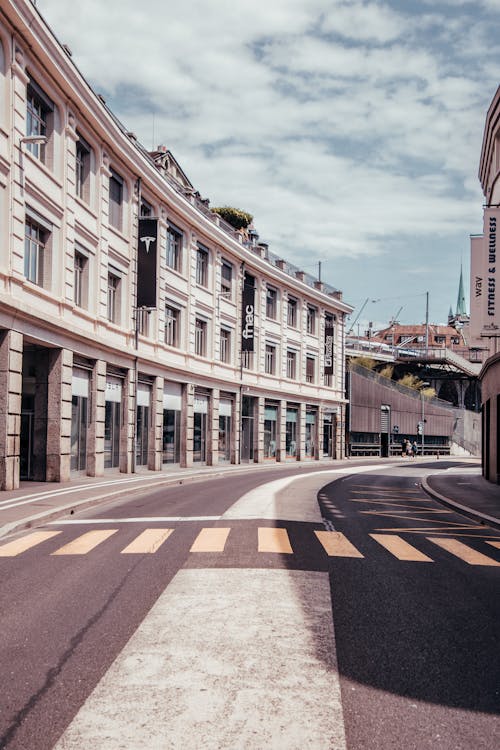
465	553
336	544
148	542
401	549
274	540
85	543
211	540
11	549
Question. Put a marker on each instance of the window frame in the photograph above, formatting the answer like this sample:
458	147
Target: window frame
226	284
225	335
270	358
172	330
113	309
200	337
82	169
310	376
174	248
291	364
311	321
292	312
115	216
271	302
202	261
39	119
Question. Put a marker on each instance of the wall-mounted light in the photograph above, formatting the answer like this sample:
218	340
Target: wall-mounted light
40	139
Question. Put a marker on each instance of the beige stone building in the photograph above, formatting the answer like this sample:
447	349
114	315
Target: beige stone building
138	330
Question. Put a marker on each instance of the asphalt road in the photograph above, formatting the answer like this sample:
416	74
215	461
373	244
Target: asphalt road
417	640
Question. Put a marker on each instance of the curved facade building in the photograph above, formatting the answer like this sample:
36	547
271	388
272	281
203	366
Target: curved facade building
137	329
485	290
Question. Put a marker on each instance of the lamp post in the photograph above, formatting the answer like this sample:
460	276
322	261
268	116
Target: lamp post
422	423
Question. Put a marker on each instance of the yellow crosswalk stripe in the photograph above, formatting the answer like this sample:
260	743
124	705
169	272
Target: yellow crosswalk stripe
85	543
495	544
401	549
210	540
465	553
336	544
11	549
274	540
148	542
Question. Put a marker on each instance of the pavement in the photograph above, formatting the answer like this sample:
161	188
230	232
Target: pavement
36	503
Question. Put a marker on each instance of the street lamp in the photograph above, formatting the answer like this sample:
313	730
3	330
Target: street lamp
422	423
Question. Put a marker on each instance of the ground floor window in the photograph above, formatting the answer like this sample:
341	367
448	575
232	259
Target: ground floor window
225	412
310	445
270	431
112	422
200	428
247	429
171	436
79	421
142	427
291	433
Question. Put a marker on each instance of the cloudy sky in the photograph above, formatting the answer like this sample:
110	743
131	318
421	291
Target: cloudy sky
350	130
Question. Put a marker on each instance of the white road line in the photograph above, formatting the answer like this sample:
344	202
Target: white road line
225	659
139	519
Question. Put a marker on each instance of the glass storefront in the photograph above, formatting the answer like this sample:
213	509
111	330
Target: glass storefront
329	435
172	409
79	421
225	412
270	431
247	429
113	397
142	432
200	428
291	433
310	446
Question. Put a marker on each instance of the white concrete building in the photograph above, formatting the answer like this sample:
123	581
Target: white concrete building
89	383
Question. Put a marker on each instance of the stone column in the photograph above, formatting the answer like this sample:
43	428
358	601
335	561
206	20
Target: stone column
259	430
281	441
301	433
95	433
213	429
11	384
127	430
188	426
155	458
59	395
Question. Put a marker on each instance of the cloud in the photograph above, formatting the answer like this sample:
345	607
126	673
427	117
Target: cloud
342	126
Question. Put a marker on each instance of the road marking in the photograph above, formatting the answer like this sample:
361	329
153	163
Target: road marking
400	548
148	542
138	519
274	540
85	543
237	658
465	553
336	544
495	544
26	542
210	540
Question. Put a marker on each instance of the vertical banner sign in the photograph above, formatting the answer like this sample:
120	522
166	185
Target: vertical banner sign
248	315
492	246
146	262
329	333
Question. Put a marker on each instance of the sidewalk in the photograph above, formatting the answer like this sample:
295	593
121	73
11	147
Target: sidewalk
36	503
466	491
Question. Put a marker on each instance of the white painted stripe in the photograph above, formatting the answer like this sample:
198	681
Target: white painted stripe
225	658
138	519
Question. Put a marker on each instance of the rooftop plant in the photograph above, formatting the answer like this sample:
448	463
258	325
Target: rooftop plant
235	216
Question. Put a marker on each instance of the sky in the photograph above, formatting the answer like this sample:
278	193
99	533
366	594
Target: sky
351	131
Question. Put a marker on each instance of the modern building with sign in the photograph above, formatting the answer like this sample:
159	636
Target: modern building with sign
138	330
485	290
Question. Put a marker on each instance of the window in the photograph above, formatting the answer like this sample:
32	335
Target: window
247	360
440	339
35	252
200	338
116	200
80	279
311	320
225	345
202	266
146	209
270	361
172	321
226	283
174	249
82	169
291	364
271	303
39	119
113	297
292	313
310	369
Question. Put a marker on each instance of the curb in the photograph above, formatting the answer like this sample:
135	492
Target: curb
476	515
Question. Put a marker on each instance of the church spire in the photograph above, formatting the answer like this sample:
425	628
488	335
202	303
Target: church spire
461	309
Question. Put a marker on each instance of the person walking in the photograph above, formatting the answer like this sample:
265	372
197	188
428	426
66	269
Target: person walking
414	449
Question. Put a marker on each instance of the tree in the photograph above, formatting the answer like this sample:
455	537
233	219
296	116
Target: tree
235	216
